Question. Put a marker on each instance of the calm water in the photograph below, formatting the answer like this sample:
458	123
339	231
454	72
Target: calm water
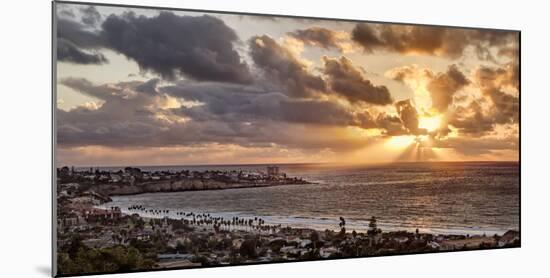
472	198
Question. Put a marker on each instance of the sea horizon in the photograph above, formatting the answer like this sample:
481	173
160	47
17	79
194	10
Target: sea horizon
289	164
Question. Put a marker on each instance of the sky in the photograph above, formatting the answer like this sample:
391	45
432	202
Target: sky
162	87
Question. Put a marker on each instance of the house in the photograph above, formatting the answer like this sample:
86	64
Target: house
71	221
115	178
103	178
95	215
327	252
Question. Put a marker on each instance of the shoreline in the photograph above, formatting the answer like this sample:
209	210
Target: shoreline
358	226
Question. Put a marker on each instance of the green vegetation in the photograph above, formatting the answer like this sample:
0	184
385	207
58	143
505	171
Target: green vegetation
78	258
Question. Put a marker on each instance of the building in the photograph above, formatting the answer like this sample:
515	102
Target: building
71	220
96	215
273	171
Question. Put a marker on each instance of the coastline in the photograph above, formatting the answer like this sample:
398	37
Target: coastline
88	228
320	224
96	232
133	181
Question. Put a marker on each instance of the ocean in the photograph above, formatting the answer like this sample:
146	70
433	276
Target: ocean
436	197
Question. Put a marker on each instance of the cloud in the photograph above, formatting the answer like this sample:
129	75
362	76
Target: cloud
494	83
135	114
67	51
510	52
238	104
67	13
77	44
125	117
499	104
348	81
280	65
409	117
426	40
392	125
402	74
200	48
90	16
79	34
471	120
490	77
478	146
443	86
320	37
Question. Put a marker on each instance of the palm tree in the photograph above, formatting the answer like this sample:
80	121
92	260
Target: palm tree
342	226
373	230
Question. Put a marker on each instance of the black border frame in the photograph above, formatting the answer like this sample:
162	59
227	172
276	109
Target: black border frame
54	128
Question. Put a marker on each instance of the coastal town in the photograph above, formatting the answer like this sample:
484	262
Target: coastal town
132	180
92	238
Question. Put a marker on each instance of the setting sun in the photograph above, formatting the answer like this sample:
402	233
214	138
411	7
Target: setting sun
430	123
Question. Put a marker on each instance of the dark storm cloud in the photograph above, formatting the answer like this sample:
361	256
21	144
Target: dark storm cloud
440	41
149	87
443	86
200	48
409	117
120	120
237	104
280	65
317	36
90	16
225	113
349	82
77	44
79	34
69	52
105	92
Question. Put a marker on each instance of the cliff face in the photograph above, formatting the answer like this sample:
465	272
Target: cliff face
169	186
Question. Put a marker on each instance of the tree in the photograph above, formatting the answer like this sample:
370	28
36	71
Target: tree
342	226
248	248
314	237
373	229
